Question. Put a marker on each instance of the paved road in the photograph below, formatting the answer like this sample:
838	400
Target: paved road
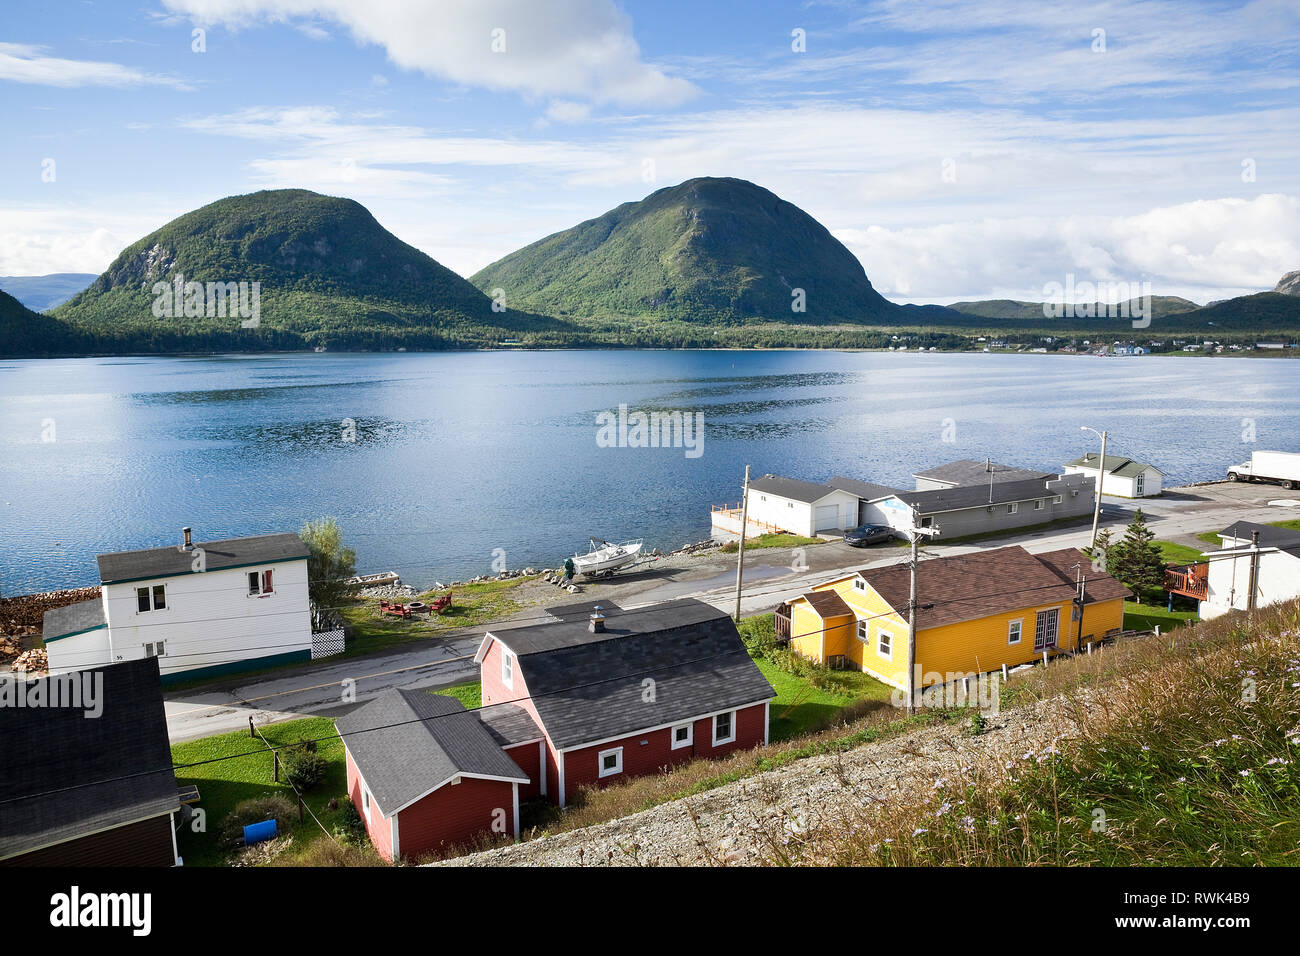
330	688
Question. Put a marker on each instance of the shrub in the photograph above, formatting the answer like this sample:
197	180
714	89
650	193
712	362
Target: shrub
303	767
255	810
351	829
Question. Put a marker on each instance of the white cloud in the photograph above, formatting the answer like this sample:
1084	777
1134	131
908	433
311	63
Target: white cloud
571	48
25	63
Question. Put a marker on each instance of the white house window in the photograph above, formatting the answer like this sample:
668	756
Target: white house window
611	762
365	801
927	521
1013	507
507	668
259	582
1056	500
1039	504
155	649
1045	628
683	736
724	728
885	644
859	584
1141	481
862	632
151	599
1013	632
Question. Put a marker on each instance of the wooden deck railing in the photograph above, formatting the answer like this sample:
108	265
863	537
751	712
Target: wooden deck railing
1191	581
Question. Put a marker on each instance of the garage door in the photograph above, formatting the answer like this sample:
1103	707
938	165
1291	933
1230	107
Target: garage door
827	518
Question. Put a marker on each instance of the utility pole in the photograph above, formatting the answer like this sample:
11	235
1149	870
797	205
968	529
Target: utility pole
1101	475
1254	570
915	535
744	526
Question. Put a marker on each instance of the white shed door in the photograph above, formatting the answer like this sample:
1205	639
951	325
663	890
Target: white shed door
827	518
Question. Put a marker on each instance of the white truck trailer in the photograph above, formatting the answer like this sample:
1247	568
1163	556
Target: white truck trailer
1278	467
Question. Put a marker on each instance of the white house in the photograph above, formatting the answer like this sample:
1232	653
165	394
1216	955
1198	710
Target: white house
1273	559
1123	477
202	609
801	507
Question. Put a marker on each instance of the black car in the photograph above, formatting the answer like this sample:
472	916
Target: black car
868	534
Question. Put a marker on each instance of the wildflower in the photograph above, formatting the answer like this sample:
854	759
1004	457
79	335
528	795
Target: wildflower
1244	773
919	831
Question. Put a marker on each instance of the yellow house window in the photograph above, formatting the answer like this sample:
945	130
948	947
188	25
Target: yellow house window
885	647
1013	632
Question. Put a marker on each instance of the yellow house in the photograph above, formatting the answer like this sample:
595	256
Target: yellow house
976	613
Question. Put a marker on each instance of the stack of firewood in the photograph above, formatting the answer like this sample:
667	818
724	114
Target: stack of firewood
10	647
33	660
28	610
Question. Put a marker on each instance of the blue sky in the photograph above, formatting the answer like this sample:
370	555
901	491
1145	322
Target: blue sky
960	150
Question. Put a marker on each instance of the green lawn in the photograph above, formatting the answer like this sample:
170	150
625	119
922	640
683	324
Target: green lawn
470	694
472	605
226	783
771	541
1178	553
1142	617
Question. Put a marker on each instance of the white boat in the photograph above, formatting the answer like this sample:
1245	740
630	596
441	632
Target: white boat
375	580
606	558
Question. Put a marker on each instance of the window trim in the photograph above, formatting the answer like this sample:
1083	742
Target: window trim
148	591
1013	508
1019	625
600	762
731	719
862	632
507	667
679	744
1040	617
885	644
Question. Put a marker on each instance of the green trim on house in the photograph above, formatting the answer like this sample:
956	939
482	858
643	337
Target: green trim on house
181	574
84	630
236	667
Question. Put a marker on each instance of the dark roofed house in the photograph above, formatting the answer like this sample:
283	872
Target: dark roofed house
967	471
87	778
425	774
628	692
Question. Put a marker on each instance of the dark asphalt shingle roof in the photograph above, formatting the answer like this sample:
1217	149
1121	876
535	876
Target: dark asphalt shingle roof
974	496
509	724
828	604
1098	585
406	742
971	472
1284	539
232	553
72	619
970	586
105	771
581	610
866	490
589	687
792	488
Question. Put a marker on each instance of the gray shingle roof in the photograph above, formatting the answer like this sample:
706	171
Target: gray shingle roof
406	742
792	488
589	687
509	724
1284	539
232	553
971	472
72	619
973	496
866	490
105	771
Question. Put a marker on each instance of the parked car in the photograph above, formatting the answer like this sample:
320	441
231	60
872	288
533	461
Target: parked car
867	534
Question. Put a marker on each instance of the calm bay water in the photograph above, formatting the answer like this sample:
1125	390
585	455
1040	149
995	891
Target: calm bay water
458	454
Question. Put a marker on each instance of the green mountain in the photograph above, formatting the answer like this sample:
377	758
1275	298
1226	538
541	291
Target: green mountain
327	274
1161	306
24	332
707	251
45	292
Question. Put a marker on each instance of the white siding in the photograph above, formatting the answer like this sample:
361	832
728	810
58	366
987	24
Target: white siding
1229	581
211	619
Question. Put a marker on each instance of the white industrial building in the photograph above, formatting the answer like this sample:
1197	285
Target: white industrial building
201	608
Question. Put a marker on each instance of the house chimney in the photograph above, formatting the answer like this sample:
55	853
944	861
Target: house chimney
1254	539
988	464
596	624
188	545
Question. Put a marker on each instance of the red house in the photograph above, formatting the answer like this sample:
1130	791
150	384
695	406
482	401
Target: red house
620	693
593	697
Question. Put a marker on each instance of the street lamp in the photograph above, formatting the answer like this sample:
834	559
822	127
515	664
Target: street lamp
1101	474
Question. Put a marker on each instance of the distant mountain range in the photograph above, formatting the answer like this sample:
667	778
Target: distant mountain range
39	293
709	262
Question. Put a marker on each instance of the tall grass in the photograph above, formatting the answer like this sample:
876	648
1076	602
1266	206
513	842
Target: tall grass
1179	750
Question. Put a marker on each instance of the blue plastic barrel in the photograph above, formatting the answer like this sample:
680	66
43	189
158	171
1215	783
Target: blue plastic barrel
257	832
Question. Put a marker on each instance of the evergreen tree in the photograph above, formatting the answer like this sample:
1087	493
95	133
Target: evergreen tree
1136	561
